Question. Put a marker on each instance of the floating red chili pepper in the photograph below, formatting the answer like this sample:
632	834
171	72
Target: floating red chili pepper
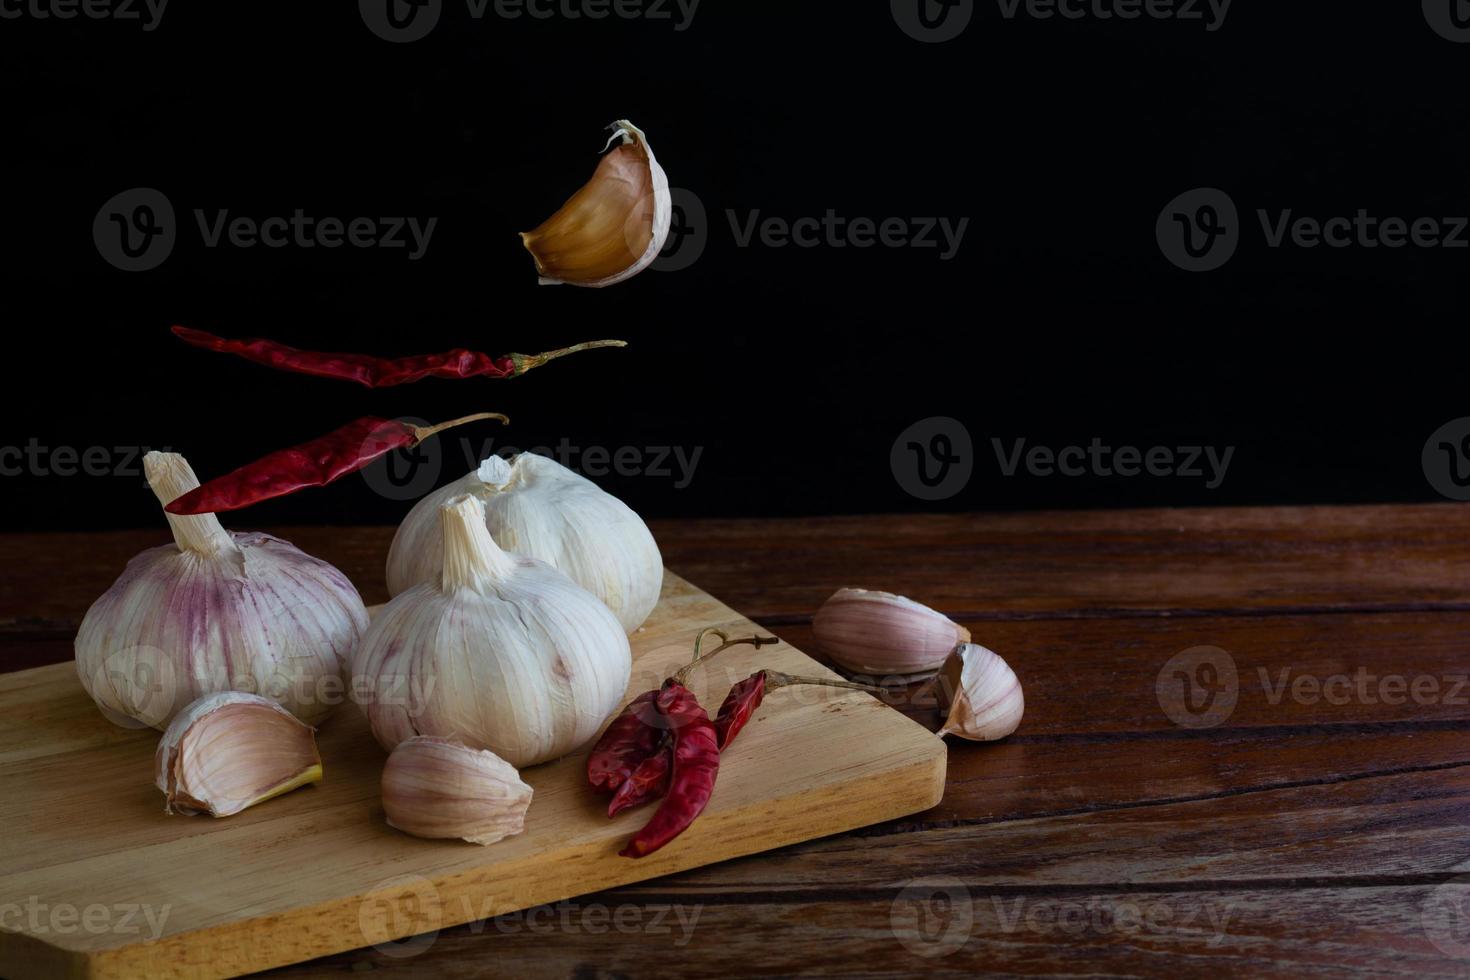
311	464
692	778
380	372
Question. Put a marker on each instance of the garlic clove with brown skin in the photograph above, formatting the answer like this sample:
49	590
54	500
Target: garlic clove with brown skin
979	694
614	226
231	750
439	788
879	633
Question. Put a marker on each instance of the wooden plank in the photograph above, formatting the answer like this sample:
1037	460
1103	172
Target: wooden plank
981	565
318	870
950	930
1101	677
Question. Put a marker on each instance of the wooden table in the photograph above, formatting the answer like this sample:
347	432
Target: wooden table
1317	825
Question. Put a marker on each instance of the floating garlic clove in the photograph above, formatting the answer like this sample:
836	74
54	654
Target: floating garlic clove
613	227
232	750
437	787
536	507
879	633
216	611
501	651
979	694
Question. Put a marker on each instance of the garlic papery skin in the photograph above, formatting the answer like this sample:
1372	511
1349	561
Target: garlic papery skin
979	694
612	228
216	611
536	507
879	633
437	787
501	652
232	750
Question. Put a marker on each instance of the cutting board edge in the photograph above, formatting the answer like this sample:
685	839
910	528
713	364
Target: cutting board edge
914	786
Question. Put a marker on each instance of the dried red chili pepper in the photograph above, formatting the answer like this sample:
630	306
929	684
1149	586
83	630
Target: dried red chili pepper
649	781
745	696
625	743
311	464
692	778
380	372
636	733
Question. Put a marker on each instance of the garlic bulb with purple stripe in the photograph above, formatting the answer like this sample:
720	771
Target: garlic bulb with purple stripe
217	611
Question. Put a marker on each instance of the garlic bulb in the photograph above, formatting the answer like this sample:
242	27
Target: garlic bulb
232	750
501	652
873	632
612	228
435	787
979	694
536	507
216	611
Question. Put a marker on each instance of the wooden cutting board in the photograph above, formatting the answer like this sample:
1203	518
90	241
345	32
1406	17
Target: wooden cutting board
96	881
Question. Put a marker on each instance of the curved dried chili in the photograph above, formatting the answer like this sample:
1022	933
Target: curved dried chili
311	464
380	372
649	781
624	744
696	763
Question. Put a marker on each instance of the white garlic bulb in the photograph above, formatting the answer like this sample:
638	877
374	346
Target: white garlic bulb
500	651
216	611
232	750
614	226
435	787
979	694
536	507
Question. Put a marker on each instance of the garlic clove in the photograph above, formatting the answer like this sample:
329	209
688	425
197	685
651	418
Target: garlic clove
232	750
979	694
437	787
871	632
612	228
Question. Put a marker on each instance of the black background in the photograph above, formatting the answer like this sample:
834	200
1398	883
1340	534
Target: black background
794	369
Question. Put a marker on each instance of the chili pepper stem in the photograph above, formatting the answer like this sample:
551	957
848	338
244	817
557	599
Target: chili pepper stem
775	679
682	674
421	432
525	362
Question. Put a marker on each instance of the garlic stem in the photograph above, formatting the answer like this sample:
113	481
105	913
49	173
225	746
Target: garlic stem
170	476
472	559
